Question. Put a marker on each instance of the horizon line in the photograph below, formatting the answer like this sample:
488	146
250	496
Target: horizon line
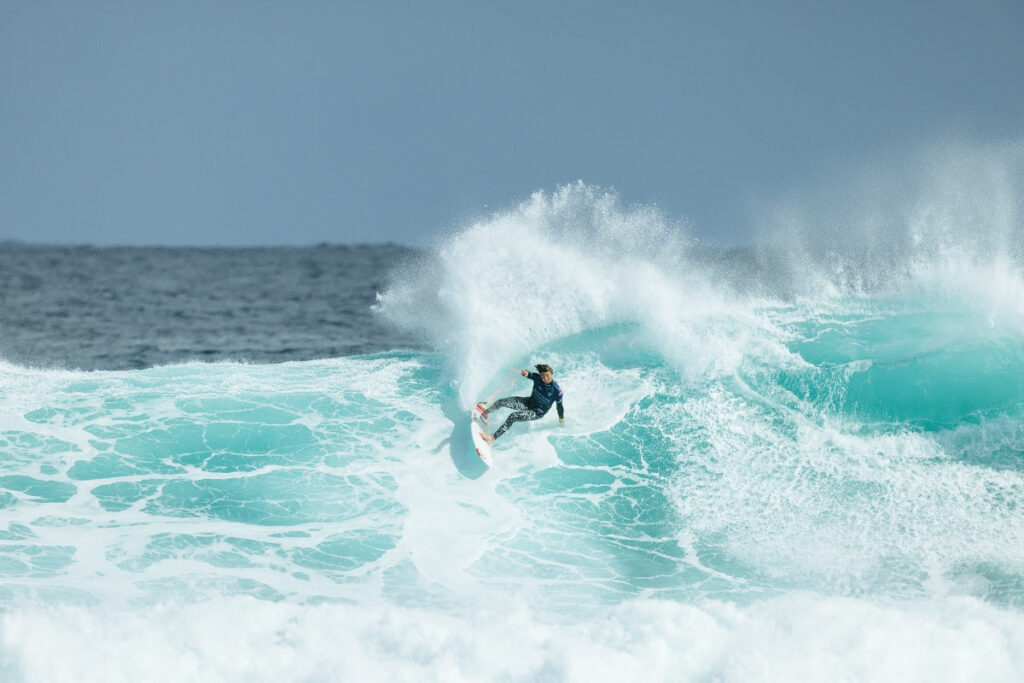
23	244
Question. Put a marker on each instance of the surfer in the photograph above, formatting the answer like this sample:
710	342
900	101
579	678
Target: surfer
524	408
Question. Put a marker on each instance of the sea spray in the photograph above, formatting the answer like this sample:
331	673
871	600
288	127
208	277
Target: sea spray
562	264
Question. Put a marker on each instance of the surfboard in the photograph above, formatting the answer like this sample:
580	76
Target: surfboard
483	449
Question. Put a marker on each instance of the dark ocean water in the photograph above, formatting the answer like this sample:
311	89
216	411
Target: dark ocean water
132	307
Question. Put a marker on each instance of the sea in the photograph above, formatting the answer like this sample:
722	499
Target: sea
796	460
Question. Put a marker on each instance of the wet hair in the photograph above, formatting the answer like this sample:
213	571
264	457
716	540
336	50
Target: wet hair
544	368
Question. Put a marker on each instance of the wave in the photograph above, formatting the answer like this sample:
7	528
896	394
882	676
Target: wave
756	453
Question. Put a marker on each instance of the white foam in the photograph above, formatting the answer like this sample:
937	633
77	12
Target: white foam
565	263
807	502
796	637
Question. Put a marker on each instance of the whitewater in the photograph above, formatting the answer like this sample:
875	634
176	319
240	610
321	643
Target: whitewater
801	462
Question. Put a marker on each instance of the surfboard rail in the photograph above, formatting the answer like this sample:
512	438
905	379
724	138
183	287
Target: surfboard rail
483	449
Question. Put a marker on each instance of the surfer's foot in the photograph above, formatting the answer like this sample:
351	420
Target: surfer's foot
489	438
482	409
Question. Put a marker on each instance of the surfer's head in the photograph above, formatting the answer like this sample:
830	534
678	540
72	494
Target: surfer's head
546	373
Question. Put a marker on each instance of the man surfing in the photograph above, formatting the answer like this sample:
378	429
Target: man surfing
525	408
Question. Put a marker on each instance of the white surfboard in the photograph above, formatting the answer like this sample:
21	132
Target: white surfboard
483	449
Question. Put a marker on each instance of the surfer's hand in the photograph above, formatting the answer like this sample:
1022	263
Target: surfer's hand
561	422
524	373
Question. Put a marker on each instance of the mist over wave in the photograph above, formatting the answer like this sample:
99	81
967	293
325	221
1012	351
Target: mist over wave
804	459
944	217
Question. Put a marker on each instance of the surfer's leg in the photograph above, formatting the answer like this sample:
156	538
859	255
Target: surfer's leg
517	416
511	402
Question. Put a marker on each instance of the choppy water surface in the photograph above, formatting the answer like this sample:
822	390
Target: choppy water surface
136	307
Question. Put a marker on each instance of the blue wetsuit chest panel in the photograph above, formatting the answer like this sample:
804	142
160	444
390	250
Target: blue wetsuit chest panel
544	395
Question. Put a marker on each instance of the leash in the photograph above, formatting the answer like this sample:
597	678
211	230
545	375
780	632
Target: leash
508	385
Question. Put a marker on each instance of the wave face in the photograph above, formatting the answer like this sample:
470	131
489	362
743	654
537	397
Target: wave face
780	464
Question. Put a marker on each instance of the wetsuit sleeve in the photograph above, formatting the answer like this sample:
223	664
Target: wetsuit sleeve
558	404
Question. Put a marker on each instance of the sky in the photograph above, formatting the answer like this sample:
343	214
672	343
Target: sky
269	123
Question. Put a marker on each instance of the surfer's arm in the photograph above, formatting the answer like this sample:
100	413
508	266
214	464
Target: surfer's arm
561	411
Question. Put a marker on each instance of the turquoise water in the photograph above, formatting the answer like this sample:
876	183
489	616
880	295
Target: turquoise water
906	464
742	479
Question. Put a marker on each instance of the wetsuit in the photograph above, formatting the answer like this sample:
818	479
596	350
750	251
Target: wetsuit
532	407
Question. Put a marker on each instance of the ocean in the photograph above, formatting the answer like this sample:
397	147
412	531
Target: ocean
800	461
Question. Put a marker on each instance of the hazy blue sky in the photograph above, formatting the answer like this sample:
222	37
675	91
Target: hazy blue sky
299	122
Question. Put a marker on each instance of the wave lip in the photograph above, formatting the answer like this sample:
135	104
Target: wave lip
561	264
